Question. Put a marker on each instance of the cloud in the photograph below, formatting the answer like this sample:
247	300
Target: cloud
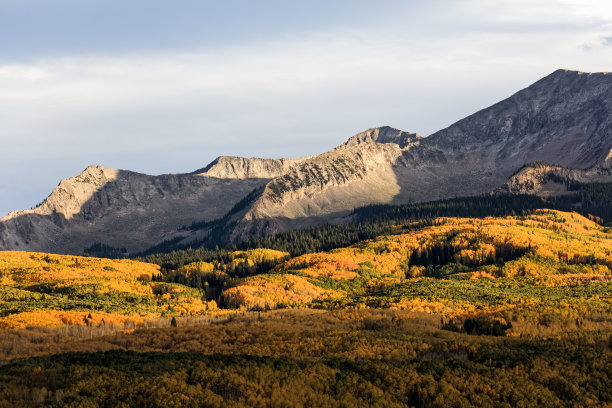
172	111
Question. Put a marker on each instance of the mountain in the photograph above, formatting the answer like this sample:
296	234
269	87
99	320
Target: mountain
120	208
564	119
544	179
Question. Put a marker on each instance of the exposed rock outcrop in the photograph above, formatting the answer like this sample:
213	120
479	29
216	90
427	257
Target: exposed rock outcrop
243	167
384	134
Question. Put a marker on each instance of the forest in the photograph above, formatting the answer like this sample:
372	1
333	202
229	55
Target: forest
344	358
509	309
591	200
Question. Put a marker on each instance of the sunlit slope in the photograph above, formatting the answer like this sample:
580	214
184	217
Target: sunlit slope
518	244
47	289
549	265
550	261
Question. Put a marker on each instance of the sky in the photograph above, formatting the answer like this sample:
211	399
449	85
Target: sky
166	86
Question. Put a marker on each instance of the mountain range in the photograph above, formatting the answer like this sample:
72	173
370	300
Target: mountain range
562	123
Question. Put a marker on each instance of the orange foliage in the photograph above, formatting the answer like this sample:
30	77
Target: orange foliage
127	282
259	255
56	318
267	291
549	234
35	267
204	267
419	305
341	263
545	243
534	245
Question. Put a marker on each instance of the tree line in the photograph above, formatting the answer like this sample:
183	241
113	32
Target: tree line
371	221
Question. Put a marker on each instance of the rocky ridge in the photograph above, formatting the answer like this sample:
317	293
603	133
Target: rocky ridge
564	119
252	167
120	208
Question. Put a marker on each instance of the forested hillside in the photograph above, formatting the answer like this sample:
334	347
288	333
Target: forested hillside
514	310
590	200
55	290
455	267
432	260
344	358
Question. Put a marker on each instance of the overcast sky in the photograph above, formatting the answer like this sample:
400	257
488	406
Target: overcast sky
166	86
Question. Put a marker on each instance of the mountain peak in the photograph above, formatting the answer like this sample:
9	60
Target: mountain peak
247	167
383	134
564	118
566	72
566	77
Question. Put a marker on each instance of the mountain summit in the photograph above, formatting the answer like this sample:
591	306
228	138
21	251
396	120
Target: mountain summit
564	119
384	134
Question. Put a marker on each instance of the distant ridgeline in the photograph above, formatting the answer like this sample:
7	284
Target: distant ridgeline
551	139
592	200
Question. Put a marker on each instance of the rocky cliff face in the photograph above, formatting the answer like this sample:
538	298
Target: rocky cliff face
564	119
546	180
382	135
243	168
323	189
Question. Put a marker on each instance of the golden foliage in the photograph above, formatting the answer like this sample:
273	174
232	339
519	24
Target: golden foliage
50	290
36	267
259	255
204	267
342	263
547	242
268	291
419	305
57	318
549	234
